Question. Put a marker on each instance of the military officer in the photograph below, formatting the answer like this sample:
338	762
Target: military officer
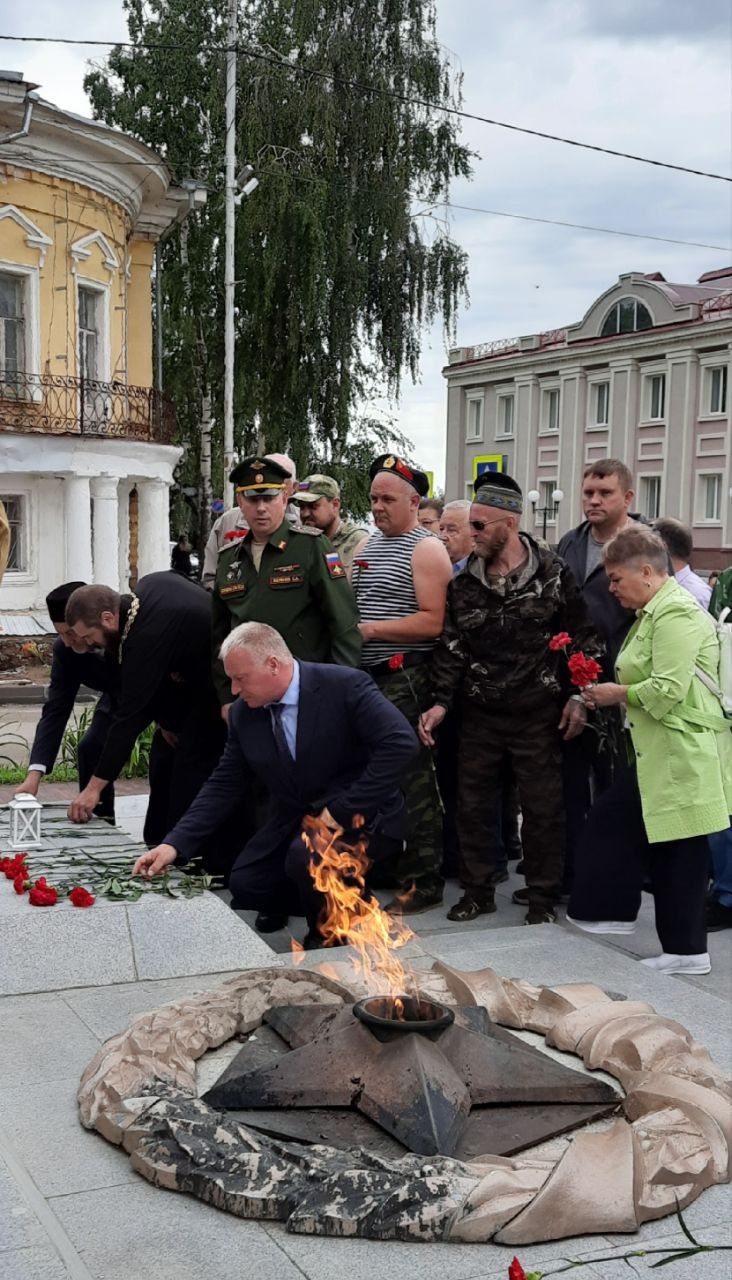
291	579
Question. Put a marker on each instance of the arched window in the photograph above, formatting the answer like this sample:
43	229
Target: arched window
627	316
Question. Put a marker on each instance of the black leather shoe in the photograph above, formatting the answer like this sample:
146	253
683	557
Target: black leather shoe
314	941
412	902
470	906
718	916
499	877
268	922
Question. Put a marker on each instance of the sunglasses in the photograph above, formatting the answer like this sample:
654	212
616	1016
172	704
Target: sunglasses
483	524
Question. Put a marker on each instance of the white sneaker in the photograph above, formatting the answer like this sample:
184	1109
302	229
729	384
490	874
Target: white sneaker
666	963
604	926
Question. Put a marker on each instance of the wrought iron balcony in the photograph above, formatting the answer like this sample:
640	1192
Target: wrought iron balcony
82	407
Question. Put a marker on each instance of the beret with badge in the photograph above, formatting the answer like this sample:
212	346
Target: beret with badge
258	477
391	464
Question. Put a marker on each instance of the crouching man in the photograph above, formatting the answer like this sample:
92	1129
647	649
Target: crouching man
323	741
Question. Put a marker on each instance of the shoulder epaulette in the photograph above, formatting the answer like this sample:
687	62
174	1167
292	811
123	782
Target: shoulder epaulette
308	529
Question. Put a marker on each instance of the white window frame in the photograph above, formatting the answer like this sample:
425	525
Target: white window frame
647	400
28	535
702	479
96	286
594	423
504	398
477	398
642	480
32	326
546	393
707	380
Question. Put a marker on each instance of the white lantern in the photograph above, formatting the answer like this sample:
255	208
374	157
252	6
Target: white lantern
25	822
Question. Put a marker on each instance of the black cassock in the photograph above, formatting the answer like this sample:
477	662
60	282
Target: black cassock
165	678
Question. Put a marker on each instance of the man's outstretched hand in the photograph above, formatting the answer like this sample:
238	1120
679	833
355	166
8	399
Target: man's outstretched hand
155	861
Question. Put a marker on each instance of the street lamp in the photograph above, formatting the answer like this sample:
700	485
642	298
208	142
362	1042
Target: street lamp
545	512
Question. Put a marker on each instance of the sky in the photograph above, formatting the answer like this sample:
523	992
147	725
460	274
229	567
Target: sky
651	77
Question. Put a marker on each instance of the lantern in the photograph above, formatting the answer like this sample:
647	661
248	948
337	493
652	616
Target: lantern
25	822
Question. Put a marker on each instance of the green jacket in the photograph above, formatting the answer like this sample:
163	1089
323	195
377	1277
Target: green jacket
722	594
301	590
681	739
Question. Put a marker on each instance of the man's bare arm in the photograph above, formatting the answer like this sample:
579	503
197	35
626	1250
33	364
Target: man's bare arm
431	573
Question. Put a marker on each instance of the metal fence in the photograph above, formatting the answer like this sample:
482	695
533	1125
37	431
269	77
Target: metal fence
80	406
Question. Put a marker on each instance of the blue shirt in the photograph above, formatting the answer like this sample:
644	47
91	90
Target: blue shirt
459	565
289	702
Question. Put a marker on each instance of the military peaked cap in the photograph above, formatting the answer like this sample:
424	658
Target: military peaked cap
259	476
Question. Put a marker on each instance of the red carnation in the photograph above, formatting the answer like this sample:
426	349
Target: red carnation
516	1271
361	564
21	883
583	671
396	662
43	894
14	867
560	641
233	535
81	897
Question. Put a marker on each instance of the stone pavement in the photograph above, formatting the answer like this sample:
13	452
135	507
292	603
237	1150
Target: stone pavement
71	1208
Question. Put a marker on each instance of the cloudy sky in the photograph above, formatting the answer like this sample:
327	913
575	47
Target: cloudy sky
651	77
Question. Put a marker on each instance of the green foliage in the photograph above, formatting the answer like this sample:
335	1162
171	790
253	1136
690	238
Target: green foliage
136	766
73	733
337	277
9	739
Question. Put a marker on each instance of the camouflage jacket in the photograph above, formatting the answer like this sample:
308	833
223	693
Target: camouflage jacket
494	648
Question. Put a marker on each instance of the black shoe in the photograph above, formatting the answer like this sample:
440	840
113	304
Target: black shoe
520	897
268	922
519	868
718	916
540	915
314	941
514	855
499	877
412	901
472	905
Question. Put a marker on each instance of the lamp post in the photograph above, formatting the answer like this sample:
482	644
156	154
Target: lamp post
544	513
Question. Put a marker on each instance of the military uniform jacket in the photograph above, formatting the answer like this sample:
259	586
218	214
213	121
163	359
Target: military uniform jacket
494	648
301	590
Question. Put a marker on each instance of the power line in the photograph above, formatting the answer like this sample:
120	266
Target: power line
577	226
364	87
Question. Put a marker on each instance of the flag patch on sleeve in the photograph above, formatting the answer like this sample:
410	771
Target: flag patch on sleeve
335	565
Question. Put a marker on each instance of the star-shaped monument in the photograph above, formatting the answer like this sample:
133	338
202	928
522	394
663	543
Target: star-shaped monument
423	1089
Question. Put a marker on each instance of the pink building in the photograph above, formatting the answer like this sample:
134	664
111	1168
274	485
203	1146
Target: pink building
644	376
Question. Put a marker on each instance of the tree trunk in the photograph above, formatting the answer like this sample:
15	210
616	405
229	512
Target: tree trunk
204	484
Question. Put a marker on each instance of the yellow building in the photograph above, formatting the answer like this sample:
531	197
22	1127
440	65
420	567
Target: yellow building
86	453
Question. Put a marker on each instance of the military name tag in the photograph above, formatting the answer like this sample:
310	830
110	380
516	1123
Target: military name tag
235	589
287	575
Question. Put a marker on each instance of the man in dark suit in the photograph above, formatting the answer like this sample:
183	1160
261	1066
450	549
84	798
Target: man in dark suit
324	741
72	665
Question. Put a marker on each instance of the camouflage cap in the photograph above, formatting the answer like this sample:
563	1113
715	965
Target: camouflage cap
314	487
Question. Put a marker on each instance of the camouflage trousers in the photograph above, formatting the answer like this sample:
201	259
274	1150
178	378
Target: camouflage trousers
419	864
531	741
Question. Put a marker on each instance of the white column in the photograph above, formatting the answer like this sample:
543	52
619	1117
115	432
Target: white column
105	531
77	516
153	527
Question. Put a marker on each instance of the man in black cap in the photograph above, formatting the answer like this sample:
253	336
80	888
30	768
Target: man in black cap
400	578
72	665
291	579
494	663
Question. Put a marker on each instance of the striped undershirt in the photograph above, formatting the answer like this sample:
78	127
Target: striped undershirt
384	587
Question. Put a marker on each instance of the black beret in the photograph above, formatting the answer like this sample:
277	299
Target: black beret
57	600
497	479
394	465
258	475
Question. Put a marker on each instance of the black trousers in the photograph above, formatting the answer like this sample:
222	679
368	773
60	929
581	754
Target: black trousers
89	751
587	772
615	858
530	739
281	882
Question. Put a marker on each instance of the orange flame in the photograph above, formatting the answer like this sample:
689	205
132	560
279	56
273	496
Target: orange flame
339	873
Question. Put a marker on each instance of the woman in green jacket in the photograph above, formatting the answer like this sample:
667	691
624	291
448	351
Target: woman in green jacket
654	820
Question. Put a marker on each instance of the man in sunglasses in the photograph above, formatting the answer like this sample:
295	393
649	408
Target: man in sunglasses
493	664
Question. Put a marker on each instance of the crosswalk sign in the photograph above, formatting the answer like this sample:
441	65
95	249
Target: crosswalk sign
489	462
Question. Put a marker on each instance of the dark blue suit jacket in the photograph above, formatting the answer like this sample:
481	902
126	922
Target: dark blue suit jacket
352	749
